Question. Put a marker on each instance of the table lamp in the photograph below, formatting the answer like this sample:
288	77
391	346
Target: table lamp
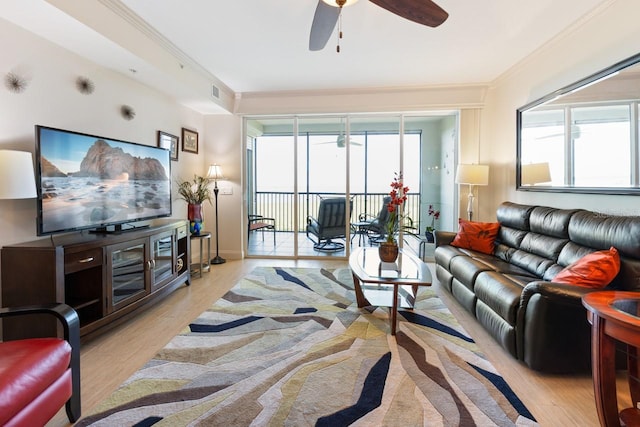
535	173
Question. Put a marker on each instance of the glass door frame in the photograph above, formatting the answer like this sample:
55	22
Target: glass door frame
348	118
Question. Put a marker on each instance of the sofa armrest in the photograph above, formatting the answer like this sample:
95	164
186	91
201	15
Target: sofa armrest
561	292
552	332
443	237
71	329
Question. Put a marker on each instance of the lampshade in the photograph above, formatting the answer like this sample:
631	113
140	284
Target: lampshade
215	172
472	174
535	173
335	3
16	175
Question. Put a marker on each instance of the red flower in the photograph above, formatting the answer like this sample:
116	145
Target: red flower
398	195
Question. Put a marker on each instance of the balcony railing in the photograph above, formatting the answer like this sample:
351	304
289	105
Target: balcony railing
280	206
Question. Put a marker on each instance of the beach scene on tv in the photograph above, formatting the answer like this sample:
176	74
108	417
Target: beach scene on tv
87	181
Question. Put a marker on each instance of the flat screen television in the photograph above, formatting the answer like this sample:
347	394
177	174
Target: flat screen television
92	182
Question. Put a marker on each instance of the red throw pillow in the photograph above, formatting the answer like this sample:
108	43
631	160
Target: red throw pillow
595	270
478	236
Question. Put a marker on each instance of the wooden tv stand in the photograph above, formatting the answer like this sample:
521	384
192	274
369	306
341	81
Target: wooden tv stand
105	277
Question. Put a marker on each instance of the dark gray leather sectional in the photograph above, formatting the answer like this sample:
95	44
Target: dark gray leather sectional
511	293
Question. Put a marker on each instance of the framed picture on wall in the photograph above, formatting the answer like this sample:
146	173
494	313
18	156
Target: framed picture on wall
170	142
189	141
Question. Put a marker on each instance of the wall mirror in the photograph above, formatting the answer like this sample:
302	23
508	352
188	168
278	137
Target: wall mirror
583	138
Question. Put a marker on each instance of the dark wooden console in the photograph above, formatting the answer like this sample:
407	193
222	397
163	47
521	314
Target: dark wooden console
104	277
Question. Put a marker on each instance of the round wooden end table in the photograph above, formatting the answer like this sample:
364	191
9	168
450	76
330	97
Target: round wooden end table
614	316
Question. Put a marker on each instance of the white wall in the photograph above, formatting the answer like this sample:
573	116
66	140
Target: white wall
607	38
52	99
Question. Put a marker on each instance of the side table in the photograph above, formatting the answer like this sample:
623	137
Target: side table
359	229
614	316
425	248
202	265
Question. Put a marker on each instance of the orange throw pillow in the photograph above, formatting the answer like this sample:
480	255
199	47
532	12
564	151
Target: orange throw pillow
595	270
478	236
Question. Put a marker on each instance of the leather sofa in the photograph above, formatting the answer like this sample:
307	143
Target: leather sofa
40	375
512	294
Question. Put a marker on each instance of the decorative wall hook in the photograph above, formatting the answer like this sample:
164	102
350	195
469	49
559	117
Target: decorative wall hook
84	85
127	112
15	83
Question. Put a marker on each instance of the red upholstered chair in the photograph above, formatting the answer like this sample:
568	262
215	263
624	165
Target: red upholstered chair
39	375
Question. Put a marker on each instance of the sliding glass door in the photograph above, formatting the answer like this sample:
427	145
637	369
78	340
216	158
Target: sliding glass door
270	191
318	176
323	187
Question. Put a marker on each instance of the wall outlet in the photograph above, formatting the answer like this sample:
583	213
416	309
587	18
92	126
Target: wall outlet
226	190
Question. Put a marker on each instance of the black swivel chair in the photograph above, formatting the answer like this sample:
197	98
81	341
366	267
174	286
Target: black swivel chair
376	227
330	224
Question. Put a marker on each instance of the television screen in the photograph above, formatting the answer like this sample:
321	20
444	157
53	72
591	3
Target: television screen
86	181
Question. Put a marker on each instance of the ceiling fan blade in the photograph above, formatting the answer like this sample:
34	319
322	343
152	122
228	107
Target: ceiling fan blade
324	21
423	12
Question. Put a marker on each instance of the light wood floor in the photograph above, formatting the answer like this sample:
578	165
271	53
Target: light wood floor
110	359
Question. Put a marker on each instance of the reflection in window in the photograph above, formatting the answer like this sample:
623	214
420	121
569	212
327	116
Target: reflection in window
584	146
543	142
600	145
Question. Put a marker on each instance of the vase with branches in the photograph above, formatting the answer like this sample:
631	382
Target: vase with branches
195	192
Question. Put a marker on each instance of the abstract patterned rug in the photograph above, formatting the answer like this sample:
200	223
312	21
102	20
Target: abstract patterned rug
289	347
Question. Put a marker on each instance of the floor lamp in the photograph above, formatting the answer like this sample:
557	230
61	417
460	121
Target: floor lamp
472	175
215	173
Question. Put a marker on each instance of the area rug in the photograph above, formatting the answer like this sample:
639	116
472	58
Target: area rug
290	347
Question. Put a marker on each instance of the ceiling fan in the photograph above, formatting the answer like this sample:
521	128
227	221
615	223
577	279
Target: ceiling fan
424	12
340	141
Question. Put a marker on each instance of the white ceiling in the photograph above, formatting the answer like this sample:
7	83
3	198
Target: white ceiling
262	45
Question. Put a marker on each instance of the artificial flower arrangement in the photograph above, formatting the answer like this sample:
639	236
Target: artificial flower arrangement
398	197
195	192
434	214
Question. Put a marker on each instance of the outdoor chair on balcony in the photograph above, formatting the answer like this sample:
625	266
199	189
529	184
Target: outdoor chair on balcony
375	227
330	224
259	222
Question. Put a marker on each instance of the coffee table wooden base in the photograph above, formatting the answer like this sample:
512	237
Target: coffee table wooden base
362	300
374	281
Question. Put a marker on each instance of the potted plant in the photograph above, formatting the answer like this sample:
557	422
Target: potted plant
195	192
428	233
388	249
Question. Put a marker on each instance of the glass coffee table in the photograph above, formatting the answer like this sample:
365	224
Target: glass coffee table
384	284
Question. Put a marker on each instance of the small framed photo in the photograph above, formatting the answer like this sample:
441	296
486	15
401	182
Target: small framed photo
170	142
189	141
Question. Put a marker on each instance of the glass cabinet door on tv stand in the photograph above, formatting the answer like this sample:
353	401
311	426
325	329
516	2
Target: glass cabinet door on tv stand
127	268
163	264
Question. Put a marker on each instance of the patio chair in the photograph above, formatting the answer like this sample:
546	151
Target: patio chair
259	222
375	227
331	224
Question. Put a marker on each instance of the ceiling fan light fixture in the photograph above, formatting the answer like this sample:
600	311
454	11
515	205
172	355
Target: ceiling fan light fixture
339	3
